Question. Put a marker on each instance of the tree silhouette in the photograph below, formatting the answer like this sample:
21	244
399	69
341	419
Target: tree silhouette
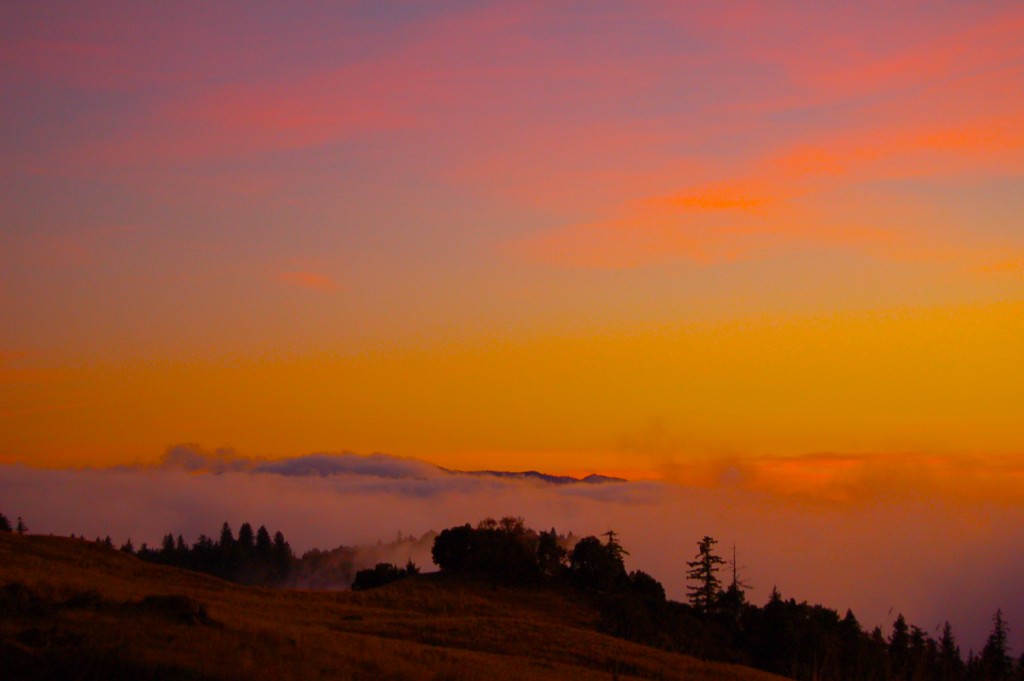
21	528
282	557
167	547
899	647
503	550
996	662
597	566
551	555
5	524
613	545
246	539
227	539
950	664
703	570
264	546
734	598
381	574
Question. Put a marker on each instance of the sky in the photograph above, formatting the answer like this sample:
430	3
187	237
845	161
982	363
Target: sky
767	247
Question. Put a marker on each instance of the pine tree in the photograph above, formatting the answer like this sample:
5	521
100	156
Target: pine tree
167	547
227	539
21	528
951	665
703	569
246	539
615	549
996	662
899	648
282	557
5	524
264	546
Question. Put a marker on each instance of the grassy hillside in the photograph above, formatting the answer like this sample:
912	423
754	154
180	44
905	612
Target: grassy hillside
72	609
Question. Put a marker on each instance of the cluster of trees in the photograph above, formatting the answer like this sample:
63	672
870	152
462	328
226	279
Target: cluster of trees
805	642
508	552
813	642
250	558
381	574
505	550
5	525
799	640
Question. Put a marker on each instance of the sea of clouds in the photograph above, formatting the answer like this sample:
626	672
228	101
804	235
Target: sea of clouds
930	560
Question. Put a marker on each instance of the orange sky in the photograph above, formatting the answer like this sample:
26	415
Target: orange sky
780	243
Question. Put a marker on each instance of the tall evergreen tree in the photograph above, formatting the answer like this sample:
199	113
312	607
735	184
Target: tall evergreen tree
703	570
167	547
615	549
899	648
950	664
996	662
282	557
227	538
5	524
21	528
246	539
264	546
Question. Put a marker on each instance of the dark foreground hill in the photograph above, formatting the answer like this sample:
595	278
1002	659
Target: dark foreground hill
72	609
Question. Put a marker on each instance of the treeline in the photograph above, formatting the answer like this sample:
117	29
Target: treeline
250	558
5	525
796	639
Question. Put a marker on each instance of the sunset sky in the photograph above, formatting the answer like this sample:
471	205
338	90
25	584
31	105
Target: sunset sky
773	244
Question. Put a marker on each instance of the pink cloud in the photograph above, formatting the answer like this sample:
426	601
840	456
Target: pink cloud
308	280
772	204
908	57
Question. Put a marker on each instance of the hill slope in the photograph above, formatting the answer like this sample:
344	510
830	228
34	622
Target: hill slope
72	609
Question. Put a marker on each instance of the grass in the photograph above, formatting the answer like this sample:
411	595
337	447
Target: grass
72	609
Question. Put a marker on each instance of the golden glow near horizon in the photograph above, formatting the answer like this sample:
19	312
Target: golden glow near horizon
516	237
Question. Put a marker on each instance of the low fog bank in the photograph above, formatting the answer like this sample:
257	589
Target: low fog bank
929	560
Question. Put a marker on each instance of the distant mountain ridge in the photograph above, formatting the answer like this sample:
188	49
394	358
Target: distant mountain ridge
592	479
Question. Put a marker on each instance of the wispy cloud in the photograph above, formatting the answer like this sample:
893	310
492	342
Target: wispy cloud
1012	266
874	106
312	281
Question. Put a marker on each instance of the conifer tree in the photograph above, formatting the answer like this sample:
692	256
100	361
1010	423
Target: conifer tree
282	553
899	647
167	546
264	546
951	665
703	570
21	528
996	662
5	524
615	549
227	539
246	539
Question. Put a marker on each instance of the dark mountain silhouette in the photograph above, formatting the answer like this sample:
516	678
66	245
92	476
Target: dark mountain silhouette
592	479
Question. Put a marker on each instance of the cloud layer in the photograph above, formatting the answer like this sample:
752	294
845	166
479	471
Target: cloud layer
929	560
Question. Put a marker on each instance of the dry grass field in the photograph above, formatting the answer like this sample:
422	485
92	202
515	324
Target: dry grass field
72	609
